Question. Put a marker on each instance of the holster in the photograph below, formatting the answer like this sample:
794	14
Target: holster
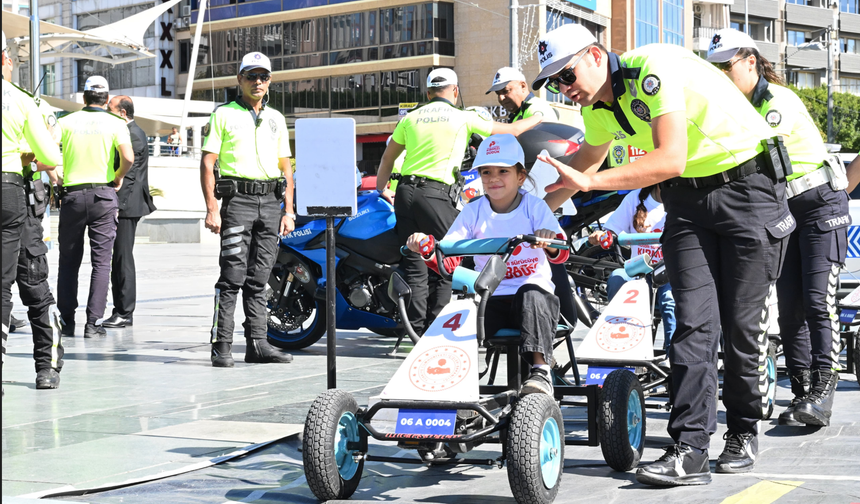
456	188
776	158
37	194
225	188
281	188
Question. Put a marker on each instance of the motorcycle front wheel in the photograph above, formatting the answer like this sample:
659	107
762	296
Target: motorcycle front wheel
297	323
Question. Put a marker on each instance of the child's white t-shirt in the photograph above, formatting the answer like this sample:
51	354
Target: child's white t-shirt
621	221
526	265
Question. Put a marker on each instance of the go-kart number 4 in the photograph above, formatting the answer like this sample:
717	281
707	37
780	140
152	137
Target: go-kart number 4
427	422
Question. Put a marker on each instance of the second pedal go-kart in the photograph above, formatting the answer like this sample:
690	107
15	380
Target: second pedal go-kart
435	404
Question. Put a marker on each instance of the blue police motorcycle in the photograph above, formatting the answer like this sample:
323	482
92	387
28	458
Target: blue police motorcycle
368	251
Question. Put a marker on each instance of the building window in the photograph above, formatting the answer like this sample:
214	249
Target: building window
92	20
123	76
49	77
796	38
849	45
647	22
673	22
759	29
850	6
849	85
798	2
805	80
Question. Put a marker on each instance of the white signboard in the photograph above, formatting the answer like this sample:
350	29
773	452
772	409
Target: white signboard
544	174
325	166
623	331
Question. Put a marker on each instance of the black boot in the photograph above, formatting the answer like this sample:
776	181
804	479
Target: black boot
815	408
222	354
800	384
260	351
48	378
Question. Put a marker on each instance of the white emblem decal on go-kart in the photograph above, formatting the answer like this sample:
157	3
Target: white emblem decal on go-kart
439	368
618	334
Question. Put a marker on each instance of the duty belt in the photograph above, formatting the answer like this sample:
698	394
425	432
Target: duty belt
81	187
802	184
423	182
754	165
13	178
254	187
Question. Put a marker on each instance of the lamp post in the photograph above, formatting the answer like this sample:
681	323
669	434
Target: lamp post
832	38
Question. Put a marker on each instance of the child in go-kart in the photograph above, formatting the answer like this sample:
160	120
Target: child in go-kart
641	211
524	299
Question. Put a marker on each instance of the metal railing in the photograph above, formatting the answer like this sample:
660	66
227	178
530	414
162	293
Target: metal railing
158	148
704	32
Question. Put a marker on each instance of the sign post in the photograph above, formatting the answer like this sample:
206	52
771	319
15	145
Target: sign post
325	187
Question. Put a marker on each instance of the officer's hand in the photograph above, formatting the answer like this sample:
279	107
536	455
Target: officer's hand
287	225
414	242
117	183
388	194
27	158
568	177
213	222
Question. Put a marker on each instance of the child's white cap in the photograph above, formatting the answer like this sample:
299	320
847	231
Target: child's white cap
500	150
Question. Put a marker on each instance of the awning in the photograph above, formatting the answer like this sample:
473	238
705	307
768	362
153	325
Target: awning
58	41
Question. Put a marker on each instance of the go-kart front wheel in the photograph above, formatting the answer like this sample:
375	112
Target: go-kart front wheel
330	462
621	420
535	428
770	380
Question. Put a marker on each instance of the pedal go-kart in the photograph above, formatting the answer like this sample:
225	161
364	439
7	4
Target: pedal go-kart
435	404
622	339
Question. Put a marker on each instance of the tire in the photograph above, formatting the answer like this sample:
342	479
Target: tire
301	323
770	370
330	469
856	356
621	420
535	449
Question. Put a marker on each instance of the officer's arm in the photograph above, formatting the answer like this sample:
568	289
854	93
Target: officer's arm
853	174
518	127
40	140
287	170
207	180
126	159
587	160
390	155
667	160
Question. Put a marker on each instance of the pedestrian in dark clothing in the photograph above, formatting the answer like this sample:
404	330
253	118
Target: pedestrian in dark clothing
134	202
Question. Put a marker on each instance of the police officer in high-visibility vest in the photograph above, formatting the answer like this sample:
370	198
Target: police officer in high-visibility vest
22	121
91	138
435	137
723	187
251	144
32	277
514	95
808	321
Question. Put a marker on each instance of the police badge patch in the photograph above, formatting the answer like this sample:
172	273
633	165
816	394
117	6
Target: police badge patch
651	84
206	130
618	154
273	125
773	118
641	110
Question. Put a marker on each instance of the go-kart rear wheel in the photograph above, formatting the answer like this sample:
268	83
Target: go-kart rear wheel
535	428
621	420
330	464
770	380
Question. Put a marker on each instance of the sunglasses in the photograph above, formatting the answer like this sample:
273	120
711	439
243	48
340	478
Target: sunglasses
566	77
263	77
727	65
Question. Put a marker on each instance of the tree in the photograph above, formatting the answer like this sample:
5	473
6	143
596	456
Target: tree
846	115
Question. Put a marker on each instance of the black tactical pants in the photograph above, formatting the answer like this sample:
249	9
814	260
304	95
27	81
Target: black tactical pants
249	247
36	294
14	211
423	209
808	323
723	248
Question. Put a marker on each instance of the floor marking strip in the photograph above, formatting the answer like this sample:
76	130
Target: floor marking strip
764	492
